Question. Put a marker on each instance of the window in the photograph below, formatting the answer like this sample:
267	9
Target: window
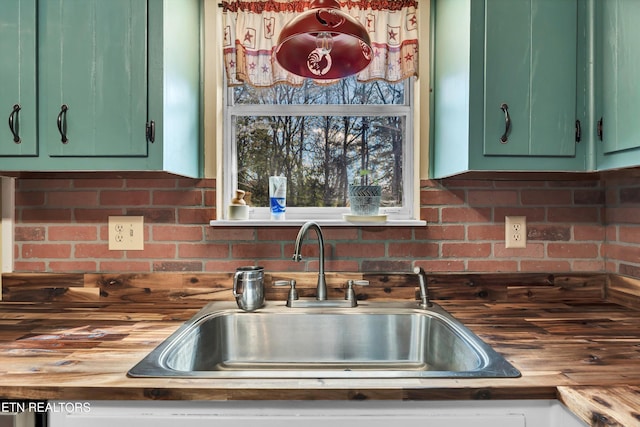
321	138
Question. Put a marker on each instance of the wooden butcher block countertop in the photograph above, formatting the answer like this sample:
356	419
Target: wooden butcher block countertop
583	350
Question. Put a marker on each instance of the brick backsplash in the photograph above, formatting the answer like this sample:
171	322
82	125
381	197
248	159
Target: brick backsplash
622	226
466	221
573	226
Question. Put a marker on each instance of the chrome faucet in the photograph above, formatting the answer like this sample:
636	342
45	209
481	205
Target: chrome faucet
321	300
321	293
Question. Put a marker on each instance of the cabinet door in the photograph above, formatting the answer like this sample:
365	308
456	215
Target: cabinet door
93	61
147	420
620	70
287	414
18	78
530	67
512	413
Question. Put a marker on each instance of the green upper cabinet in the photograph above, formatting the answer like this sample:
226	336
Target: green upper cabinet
530	66
505	82
618	58
118	84
18	104
93	61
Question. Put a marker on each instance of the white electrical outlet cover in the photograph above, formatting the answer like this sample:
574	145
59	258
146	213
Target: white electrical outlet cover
126	233
515	232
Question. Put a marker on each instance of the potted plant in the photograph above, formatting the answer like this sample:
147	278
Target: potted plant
364	199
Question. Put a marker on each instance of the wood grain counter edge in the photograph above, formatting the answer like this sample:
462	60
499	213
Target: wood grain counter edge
603	406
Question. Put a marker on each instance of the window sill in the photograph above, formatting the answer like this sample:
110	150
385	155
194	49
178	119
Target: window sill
320	222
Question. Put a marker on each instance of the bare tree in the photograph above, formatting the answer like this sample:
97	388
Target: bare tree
320	155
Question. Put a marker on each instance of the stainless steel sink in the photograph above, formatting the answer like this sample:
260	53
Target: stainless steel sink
373	340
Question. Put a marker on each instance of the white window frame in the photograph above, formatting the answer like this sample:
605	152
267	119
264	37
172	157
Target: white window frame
296	214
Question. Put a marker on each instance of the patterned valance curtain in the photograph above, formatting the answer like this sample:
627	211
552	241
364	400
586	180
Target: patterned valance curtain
251	29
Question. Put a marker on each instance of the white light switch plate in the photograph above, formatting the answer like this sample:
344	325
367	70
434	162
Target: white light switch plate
126	233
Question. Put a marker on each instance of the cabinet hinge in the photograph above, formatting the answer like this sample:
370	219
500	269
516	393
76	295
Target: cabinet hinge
151	131
578	131
600	129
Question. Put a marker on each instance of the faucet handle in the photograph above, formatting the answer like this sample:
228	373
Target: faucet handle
359	282
282	283
350	294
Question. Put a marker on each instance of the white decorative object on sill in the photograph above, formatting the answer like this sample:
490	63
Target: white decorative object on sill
238	212
238	209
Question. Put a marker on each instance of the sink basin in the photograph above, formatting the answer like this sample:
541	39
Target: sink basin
373	340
